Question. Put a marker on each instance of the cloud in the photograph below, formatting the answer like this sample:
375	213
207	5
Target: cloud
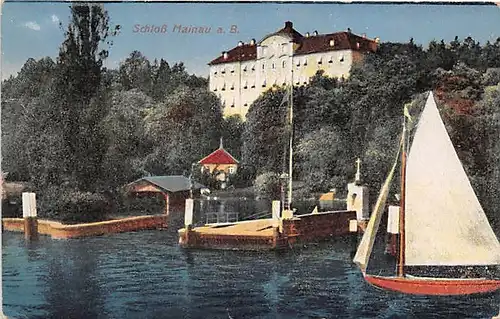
32	25
55	19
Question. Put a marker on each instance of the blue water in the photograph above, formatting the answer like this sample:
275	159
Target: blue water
146	275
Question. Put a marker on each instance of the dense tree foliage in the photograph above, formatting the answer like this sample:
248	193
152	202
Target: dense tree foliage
78	131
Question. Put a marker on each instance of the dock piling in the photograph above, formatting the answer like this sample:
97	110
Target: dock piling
29	215
392	230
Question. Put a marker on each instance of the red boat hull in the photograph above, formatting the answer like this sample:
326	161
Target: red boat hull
434	286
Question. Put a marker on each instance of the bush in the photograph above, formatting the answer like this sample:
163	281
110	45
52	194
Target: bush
71	206
268	186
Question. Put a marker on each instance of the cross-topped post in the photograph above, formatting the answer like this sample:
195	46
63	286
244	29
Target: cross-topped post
358	172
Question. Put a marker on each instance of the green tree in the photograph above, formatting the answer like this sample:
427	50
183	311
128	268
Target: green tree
136	73
266	136
323	159
123	127
182	130
79	97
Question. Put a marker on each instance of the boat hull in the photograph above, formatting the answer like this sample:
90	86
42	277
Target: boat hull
434	286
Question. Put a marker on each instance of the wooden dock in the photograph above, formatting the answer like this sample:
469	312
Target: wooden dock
268	234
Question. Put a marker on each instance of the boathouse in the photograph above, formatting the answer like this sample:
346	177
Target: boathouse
175	189
219	162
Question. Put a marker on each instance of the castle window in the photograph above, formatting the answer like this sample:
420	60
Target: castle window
342	58
305	62
223	87
253	86
245	69
264	84
253	67
223	71
263	66
273	66
283	64
331	60
232	71
320	60
298	63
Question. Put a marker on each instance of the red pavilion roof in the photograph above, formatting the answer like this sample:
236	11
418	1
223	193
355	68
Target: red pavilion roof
220	156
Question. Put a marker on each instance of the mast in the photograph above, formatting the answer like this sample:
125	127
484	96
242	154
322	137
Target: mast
290	123
401	259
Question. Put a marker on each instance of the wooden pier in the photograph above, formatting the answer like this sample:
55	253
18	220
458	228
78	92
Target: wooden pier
268	234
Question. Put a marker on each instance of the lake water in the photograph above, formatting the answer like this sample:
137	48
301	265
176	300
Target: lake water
146	275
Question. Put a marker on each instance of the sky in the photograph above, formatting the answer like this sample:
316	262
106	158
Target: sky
31	30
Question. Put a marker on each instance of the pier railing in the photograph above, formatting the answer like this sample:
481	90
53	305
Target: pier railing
221	217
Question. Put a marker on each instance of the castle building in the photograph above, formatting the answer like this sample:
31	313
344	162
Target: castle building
240	75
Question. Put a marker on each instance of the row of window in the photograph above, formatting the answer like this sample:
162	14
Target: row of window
245	86
283	65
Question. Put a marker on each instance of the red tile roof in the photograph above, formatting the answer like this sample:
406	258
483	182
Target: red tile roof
245	52
306	45
220	156
342	41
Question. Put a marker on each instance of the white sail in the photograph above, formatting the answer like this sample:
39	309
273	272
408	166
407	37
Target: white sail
366	245
445	224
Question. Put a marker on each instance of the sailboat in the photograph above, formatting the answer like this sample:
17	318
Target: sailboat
441	222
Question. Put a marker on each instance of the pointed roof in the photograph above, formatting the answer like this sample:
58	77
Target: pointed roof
219	156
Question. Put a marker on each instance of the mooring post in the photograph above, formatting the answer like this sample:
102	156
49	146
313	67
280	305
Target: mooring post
188	219
29	215
392	230
353	231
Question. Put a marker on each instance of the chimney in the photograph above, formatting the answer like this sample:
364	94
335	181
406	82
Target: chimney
377	40
349	30
315	33
288	25
252	42
224	54
364	35
240	44
307	34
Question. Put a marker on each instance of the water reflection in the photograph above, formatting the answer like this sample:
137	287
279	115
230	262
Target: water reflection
146	275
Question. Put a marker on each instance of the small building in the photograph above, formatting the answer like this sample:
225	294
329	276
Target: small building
327	200
175	189
221	163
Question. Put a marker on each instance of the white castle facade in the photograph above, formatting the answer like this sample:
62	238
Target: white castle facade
240	75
